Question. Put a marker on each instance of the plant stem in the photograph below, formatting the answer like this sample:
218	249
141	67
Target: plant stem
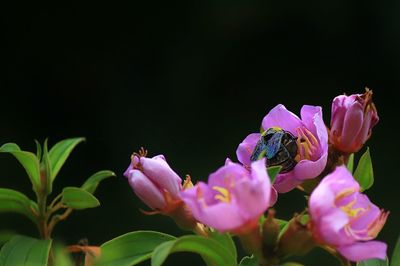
54	202
56	219
42	219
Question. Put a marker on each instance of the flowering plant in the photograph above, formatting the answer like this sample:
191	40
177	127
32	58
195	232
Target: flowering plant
237	200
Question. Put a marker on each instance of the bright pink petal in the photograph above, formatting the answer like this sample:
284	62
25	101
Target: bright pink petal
128	170
365	129
216	214
226	176
146	190
222	216
310	115
274	196
360	251
352	124
246	148
307	169
321	200
279	116
286	182
253	195
340	179
159	172
339	107
330	227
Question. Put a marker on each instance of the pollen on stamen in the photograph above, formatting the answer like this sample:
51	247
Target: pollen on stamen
307	144
223	195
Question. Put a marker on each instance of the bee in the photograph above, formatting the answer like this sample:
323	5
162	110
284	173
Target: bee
279	147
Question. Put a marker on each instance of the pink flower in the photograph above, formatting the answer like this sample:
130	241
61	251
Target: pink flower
233	199
353	118
153	181
311	139
345	219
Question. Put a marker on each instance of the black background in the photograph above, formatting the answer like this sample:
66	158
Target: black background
188	80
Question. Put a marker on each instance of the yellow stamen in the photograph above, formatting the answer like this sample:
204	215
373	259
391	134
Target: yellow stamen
348	209
344	193
307	144
223	195
187	183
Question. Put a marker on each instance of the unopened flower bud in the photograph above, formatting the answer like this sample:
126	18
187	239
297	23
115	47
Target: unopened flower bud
352	120
153	181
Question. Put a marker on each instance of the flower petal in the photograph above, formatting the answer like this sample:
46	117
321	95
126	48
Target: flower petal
364	250
253	195
146	190
286	182
352	124
331	226
279	116
310	115
340	179
219	215
321	200
222	216
158	171
274	196
307	169
128	170
246	148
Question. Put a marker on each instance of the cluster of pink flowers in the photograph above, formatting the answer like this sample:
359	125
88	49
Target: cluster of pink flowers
238	194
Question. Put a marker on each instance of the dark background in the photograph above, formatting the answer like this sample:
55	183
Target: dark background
189	80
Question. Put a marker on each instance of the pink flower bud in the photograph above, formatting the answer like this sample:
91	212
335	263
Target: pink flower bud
153	181
352	120
345	219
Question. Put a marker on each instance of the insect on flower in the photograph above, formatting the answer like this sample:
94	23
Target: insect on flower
278	146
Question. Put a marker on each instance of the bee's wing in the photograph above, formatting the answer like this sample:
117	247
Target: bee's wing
259	150
274	144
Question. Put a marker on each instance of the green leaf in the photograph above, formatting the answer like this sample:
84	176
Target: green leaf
28	160
14	201
5	236
282	223
374	262
305	218
350	163
226	241
395	261
364	173
92	182
9	147
249	261
273	171
131	248
25	251
207	248
38	150
77	198
59	153
46	168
